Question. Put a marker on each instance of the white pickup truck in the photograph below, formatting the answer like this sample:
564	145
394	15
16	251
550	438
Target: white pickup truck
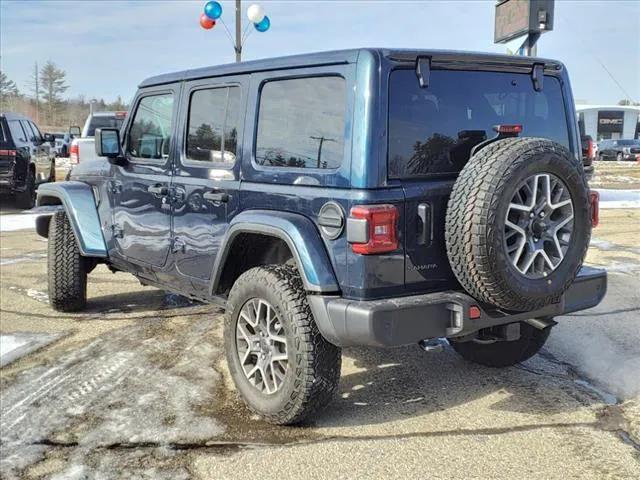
83	148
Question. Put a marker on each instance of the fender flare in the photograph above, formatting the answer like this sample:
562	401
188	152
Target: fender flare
297	231
80	206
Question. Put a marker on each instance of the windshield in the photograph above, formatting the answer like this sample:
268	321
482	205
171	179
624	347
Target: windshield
432	130
103	122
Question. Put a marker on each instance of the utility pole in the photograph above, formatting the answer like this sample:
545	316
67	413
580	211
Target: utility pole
37	81
322	140
238	45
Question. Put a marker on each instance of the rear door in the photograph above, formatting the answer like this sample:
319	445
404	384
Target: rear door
207	174
431	133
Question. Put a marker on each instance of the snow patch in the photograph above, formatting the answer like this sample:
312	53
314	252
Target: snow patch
16	345
618	198
12	223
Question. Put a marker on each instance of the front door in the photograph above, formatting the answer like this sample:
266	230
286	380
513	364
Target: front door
142	207
207	176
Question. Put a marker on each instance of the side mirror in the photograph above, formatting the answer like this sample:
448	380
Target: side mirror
49	138
74	131
107	143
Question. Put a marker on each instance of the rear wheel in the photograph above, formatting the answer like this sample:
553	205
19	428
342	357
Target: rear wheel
486	351
282	367
27	199
67	268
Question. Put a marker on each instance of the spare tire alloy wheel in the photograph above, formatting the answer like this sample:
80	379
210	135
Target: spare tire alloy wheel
261	346
538	225
519	223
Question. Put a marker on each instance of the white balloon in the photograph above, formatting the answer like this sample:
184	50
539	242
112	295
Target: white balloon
255	13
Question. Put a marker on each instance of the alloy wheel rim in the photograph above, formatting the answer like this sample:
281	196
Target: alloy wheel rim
538	225
261	345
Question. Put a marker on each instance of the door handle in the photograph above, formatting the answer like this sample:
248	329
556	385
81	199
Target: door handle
215	196
424	214
161	190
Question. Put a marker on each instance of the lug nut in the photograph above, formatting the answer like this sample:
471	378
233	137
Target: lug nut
541	214
531	215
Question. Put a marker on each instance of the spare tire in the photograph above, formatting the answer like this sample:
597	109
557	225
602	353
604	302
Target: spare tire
518	223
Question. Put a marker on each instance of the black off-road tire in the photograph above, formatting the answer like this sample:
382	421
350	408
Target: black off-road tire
475	222
504	354
313	372
618	157
27	199
67	268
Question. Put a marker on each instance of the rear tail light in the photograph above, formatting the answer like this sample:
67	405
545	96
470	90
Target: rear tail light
594	200
590	152
74	153
372	229
8	153
508	129
121	115
474	312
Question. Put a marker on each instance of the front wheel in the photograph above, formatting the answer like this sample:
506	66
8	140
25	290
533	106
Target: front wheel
503	353
283	368
67	268
619	157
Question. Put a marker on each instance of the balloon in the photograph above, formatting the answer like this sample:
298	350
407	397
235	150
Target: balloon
213	10
206	22
263	25
255	13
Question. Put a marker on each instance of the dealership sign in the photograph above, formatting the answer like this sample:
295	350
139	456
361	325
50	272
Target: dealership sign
610	121
515	18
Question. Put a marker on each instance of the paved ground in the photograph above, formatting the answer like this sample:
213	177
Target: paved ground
137	387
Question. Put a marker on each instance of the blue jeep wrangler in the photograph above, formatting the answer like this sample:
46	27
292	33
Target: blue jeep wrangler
363	197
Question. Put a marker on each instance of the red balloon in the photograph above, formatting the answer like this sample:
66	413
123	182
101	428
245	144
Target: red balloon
206	22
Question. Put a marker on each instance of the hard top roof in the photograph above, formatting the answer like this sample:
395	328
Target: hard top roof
337	57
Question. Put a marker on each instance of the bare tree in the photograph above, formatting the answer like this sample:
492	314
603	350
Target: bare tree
52	86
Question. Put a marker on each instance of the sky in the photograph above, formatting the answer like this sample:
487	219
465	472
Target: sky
108	48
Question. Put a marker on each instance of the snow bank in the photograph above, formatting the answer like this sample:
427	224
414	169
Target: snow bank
619	198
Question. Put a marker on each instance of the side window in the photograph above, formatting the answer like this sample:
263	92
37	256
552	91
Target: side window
151	128
36	131
17	133
301	123
31	136
214	116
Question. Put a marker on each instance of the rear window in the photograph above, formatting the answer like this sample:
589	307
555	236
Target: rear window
432	130
103	122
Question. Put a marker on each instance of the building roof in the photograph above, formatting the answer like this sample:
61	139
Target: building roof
627	108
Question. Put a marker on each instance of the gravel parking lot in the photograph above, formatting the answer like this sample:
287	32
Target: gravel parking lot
137	387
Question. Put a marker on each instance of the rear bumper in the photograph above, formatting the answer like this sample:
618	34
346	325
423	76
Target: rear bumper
406	320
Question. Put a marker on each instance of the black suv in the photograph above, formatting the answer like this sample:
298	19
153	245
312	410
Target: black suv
361	197
619	150
27	158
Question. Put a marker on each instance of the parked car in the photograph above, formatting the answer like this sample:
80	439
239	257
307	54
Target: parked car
63	141
619	150
588	154
82	147
362	197
26	158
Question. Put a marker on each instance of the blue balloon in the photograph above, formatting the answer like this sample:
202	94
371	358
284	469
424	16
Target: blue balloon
213	10
264	24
